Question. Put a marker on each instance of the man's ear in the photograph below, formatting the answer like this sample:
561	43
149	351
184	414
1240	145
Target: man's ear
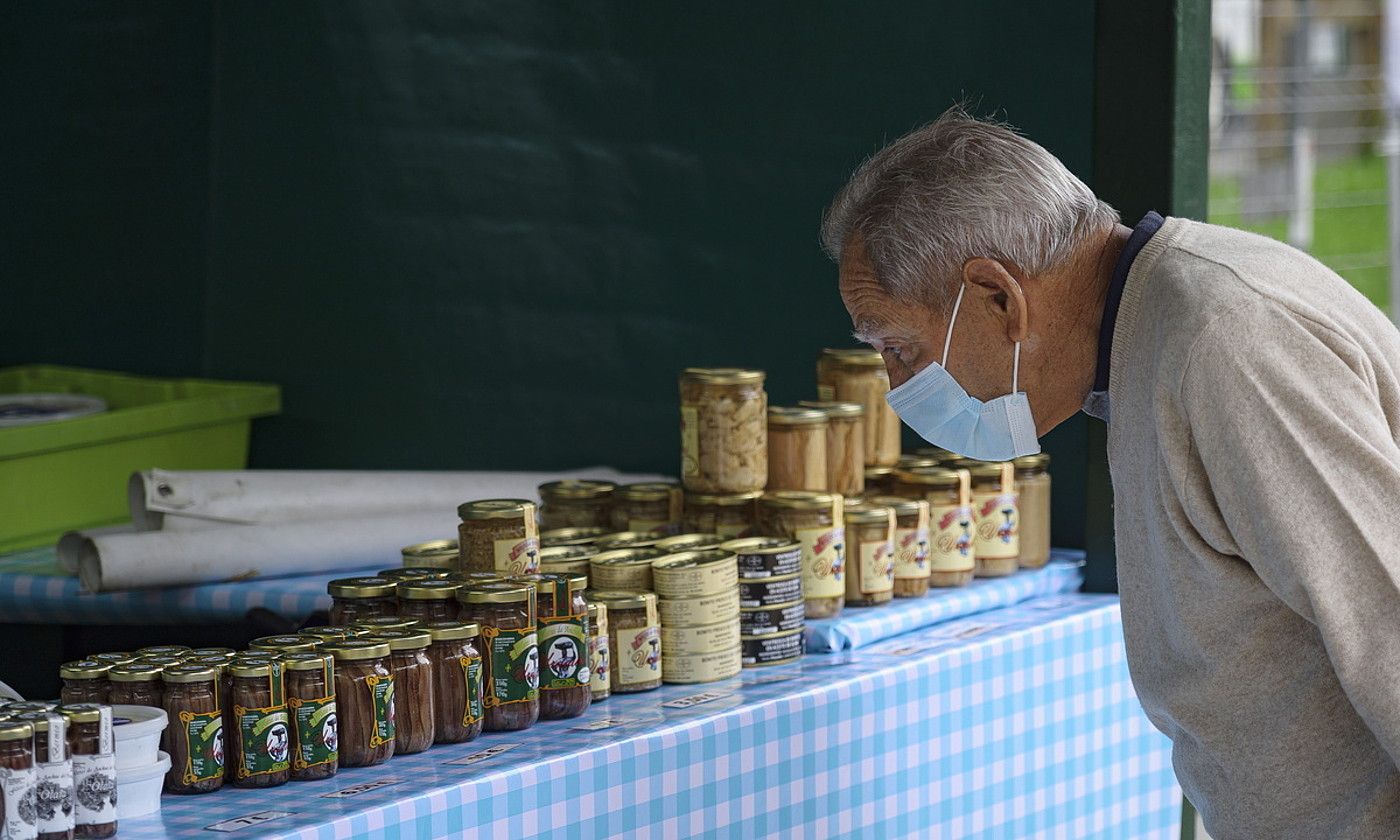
988	281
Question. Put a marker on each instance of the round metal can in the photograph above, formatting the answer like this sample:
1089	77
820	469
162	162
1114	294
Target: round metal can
690	542
686	612
691	574
701	667
774	649
626	569
765	621
769	592
701	638
764	557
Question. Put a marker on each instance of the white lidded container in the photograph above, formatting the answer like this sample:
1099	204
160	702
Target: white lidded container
138	788
137	730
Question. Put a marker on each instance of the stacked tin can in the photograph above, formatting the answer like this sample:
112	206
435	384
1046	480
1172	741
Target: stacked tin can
698	600
771	610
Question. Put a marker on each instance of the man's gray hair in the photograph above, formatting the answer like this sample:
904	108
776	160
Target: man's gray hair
955	189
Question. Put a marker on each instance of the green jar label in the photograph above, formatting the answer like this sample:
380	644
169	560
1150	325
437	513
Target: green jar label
381	695
204	744
471	672
318	732
515	666
564	651
266	740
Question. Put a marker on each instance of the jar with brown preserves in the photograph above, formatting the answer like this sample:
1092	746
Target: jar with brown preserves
413	688
623	569
287	643
1033	491
572	536
576	503
194	733
648	507
869	555
634	640
797	448
506	614
136	684
364	701
817	522
911	544
730	515
879	480
429	600
724	431
53	775
499	535
91	744
261	746
565	671
434	554
18	781
996	519
84	681
845	445
355	599
600	683
310	689
951	560
457	676
859	375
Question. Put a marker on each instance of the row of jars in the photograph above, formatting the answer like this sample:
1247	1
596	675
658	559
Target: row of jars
58	773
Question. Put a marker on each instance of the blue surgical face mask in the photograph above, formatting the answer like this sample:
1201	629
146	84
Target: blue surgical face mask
933	404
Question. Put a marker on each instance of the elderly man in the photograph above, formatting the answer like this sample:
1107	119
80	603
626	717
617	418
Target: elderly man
1253	401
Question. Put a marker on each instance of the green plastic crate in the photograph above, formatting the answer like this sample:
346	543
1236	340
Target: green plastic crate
71	474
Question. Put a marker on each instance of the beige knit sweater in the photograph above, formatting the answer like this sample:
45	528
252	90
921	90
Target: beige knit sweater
1255	407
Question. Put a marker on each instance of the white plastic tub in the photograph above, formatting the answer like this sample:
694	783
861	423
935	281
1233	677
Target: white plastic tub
138	788
138	739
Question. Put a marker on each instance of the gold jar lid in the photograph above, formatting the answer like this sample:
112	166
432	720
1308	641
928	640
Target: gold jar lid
576	489
901	506
15	730
723	376
497	592
164	650
356	650
432	548
38	719
360	587
784	415
416	639
689	542
909	462
835	409
1038	461
331	632
627	539
495	509
26	706
557	537
877	472
429	590
472	578
982	469
385	622
286	642
930	476
693	559
213	651
189	672
722	499
134	672
82	712
797	500
306	660
759	545
863	356
625	600
250	668
628	556
212	660
413	573
161	661
865	513
647	491
84	669
443	631
116	657
566	553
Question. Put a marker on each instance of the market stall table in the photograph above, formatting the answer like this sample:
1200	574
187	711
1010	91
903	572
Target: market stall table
995	725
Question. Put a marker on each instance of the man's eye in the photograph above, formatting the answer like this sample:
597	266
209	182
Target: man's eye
893	352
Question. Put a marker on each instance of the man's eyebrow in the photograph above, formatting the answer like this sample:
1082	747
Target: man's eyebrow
868	328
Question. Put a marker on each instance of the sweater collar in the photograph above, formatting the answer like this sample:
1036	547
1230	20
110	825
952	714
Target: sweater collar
1096	405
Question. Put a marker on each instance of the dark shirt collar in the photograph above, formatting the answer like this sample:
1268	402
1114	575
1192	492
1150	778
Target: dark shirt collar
1143	232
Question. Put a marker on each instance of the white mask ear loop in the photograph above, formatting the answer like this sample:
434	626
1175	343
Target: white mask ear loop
1015	366
948	339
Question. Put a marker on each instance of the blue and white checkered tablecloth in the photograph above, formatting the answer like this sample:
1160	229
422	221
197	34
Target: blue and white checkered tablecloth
34	590
859	626
1019	722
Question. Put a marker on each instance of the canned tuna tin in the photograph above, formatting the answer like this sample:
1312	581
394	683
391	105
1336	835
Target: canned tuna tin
769	592
774	649
761	557
765	621
692	574
704	638
626	569
686	612
690	542
701	667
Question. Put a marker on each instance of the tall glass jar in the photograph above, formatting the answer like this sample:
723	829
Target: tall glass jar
797	448
651	506
136	684
310	689
355	599
429	600
869	555
194	733
18	781
91	744
997	520
260	745
817	522
845	446
414	716
53	774
457	675
85	681
563	640
634	640
952	557
575	503
598	652
911	545
364	701
730	515
436	554
724	430
499	535
859	375
511	680
1033	487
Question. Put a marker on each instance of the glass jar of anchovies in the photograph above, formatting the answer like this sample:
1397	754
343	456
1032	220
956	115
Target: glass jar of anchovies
355	599
730	515
653	506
